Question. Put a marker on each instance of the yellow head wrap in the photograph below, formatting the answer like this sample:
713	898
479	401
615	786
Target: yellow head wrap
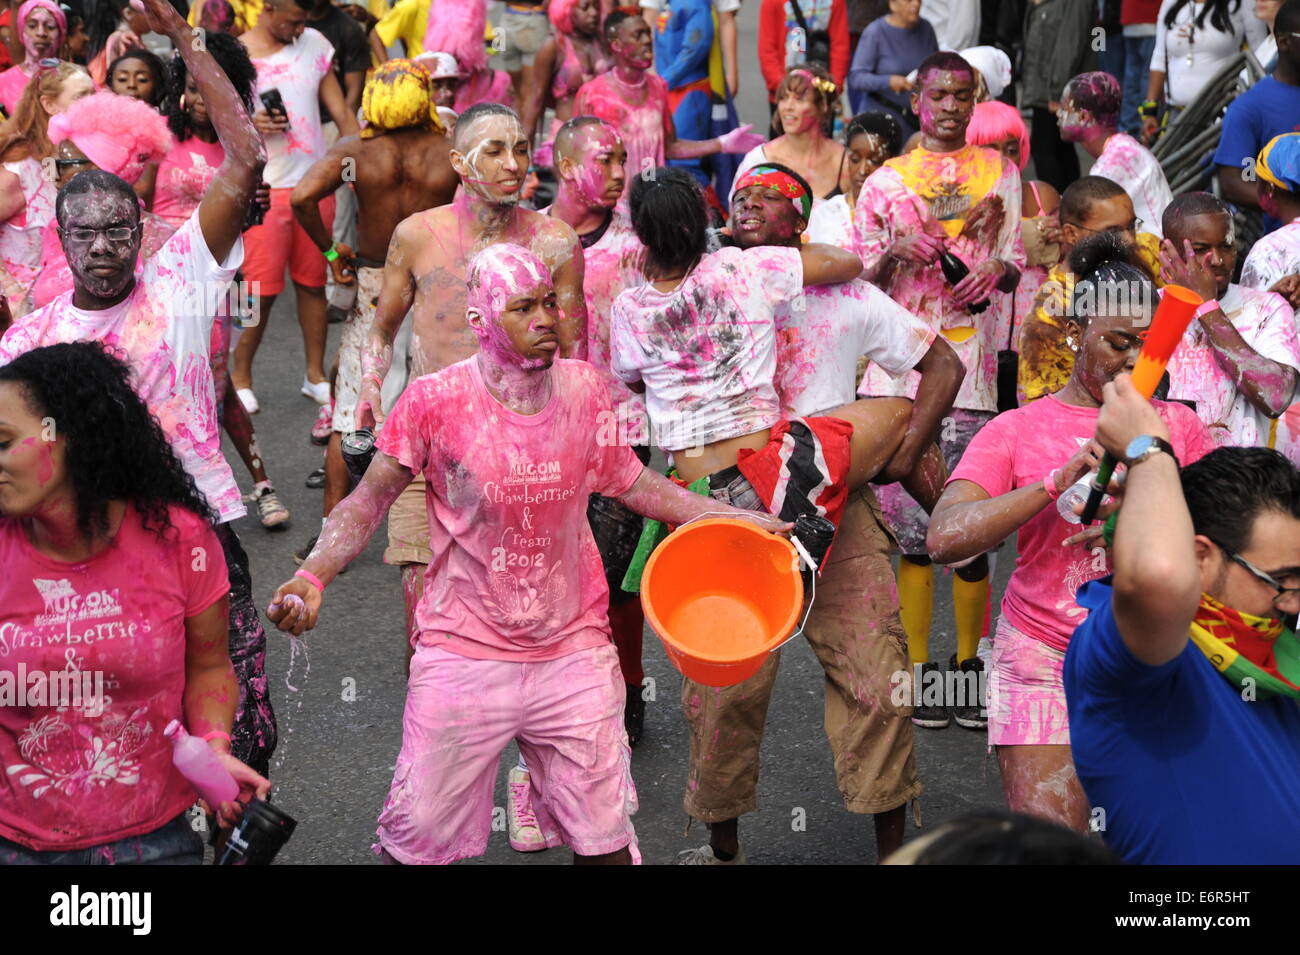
398	95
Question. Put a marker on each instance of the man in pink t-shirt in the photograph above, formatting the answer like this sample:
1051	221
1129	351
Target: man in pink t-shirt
513	639
635	102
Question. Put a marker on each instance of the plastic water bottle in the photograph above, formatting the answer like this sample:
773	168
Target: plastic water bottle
198	763
1075	495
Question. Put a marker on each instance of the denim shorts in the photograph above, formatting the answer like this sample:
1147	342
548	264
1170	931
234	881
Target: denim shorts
175	843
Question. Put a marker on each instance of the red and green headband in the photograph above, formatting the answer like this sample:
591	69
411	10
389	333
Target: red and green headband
770	177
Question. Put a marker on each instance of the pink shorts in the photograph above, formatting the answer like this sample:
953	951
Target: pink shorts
1026	695
567	715
279	242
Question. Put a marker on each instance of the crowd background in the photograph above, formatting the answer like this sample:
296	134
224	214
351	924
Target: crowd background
337	739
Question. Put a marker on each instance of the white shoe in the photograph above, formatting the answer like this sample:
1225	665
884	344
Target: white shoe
248	400
318	391
525	834
704	856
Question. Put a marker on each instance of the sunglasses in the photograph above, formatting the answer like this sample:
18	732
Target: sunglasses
1135	228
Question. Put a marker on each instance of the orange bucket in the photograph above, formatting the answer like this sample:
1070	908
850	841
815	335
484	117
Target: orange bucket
722	594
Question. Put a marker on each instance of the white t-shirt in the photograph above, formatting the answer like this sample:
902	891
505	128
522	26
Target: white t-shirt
296	71
1273	257
1130	164
1208	48
707	350
820	335
163	327
1266	323
831	222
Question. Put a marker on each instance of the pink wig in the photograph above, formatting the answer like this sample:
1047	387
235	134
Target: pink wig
60	19
458	27
993	122
561	12
118	134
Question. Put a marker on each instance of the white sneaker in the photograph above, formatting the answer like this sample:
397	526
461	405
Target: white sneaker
248	400
525	834
317	391
704	856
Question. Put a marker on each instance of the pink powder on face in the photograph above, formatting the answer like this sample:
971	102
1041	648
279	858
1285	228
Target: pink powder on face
496	275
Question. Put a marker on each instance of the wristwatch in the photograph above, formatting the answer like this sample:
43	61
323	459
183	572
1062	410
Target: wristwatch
1146	445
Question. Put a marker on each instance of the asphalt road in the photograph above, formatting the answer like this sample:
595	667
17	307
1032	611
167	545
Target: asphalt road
340	729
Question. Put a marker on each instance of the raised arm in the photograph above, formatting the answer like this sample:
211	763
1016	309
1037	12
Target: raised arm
224	206
395	298
345	535
1157	578
968	522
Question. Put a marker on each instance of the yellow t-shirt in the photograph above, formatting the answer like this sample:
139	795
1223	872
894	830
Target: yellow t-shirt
1046	361
406	21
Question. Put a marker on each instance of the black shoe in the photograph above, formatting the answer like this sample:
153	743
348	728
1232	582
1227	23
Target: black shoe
970	714
316	479
634	714
924	714
334	315
300	555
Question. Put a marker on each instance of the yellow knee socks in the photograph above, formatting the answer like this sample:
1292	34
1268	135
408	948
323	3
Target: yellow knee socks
969	598
916	606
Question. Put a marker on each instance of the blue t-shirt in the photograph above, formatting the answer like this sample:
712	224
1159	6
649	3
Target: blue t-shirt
1267	109
682	45
1188	773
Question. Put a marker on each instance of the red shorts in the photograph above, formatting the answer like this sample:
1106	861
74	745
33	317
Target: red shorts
281	241
802	469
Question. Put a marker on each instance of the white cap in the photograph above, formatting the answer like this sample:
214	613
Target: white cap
441	66
994	66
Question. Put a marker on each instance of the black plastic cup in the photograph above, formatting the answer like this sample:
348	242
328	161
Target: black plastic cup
815	533
259	836
358	451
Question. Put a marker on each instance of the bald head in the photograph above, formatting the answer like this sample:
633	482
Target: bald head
568	137
467	132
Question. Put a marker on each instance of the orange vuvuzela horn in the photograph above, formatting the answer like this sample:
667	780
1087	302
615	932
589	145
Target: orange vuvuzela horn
1173	315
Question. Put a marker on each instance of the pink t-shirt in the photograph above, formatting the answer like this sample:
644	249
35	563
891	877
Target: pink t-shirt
13	82
500	90
707	350
296	70
183	178
20	235
515	574
1021	447
611	264
164	327
100	770
640	127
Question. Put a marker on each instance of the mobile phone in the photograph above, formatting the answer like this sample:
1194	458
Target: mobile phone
274	103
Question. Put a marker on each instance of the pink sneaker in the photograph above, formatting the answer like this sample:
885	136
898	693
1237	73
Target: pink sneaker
320	431
525	834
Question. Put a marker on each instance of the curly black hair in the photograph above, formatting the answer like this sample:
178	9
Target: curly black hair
231	57
116	449
156	68
670	217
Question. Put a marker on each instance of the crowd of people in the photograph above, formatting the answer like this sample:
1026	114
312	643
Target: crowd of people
556	252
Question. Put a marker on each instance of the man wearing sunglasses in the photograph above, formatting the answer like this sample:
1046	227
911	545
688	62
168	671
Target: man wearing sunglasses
1183	683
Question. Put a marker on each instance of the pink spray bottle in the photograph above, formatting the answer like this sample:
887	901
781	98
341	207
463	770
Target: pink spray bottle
198	763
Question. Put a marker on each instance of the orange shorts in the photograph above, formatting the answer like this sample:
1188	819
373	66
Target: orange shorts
281	241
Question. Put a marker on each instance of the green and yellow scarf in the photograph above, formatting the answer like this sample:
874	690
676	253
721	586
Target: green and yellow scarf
1253	653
